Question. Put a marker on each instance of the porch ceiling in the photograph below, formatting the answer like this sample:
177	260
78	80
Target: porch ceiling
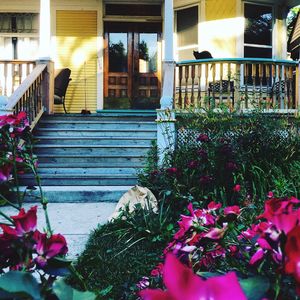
289	3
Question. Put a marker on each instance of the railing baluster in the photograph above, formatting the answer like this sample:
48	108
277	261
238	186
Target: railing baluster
186	96
193	85
180	100
199	85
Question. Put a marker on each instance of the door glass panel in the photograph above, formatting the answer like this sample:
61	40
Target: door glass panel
147	52
118	51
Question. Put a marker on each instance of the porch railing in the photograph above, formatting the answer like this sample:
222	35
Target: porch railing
241	83
28	96
13	73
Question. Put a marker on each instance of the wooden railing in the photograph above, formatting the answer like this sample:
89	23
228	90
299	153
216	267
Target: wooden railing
237	83
12	73
29	95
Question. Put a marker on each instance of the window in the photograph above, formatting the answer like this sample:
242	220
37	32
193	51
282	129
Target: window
18	35
258	30
187	32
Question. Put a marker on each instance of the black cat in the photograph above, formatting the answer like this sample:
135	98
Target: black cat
202	55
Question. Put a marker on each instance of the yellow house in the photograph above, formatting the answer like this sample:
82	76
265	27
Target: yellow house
120	52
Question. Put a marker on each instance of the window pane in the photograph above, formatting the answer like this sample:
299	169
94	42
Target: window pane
258	24
118	52
147	52
258	52
187	26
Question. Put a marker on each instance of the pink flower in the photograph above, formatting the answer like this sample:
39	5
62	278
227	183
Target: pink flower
5	172
258	255
292	252
232	210
182	283
214	206
25	222
47	248
203	138
237	188
270	194
173	171
193	164
215	233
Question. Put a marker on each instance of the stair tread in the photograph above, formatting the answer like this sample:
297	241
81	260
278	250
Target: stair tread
89	146
92	129
93	137
70	175
96	122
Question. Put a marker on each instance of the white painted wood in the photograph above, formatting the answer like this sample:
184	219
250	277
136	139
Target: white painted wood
45	30
100	60
166	133
22	89
168	30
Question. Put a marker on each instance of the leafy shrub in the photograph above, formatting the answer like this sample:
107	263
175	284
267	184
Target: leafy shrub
121	251
259	153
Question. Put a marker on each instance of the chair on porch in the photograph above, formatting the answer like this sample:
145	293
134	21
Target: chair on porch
61	83
221	90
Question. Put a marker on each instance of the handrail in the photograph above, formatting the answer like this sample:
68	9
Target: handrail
17	61
239	83
28	96
23	88
238	60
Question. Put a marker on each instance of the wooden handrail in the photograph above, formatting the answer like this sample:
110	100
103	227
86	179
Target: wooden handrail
31	93
23	88
17	61
238	83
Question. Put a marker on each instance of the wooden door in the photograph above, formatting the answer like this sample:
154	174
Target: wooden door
132	59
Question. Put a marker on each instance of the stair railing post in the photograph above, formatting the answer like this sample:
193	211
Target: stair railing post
48	87
166	132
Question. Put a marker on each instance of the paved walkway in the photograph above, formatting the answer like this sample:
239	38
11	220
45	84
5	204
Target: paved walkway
73	220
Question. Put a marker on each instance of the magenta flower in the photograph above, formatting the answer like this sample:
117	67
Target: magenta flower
47	248
25	222
5	172
203	138
232	210
182	283
292	252
237	188
214	206
216	233
193	164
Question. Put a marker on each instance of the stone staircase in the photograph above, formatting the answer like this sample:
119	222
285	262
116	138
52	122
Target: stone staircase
91	158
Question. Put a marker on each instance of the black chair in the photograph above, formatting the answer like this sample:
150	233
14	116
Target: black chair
221	90
61	83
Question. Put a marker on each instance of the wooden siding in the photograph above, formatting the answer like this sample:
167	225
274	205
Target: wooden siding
76	40
221	27
296	31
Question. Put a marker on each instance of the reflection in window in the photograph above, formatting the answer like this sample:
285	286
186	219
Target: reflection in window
147	52
118	52
258	30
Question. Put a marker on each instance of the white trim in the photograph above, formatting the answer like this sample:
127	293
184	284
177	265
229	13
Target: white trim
240	40
201	20
100	54
258	46
187	47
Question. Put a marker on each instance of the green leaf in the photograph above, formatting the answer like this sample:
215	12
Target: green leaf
106	291
255	288
20	283
66	292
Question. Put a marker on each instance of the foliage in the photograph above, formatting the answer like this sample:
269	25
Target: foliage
24	250
217	240
222	151
119	252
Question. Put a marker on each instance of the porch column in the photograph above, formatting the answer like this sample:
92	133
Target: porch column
297	86
166	133
45	30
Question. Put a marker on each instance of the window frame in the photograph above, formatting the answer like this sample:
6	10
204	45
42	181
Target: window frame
273	29
190	46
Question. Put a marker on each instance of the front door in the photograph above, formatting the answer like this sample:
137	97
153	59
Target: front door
132	59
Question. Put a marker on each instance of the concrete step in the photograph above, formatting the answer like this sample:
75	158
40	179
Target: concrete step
91	150
79	180
102	117
87	140
90	160
126	113
119	132
45	171
107	160
103	125
77	194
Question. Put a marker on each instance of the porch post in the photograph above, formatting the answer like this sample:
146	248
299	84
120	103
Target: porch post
166	133
45	55
297	86
45	30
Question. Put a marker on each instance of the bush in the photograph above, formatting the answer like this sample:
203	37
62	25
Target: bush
229	158
120	252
